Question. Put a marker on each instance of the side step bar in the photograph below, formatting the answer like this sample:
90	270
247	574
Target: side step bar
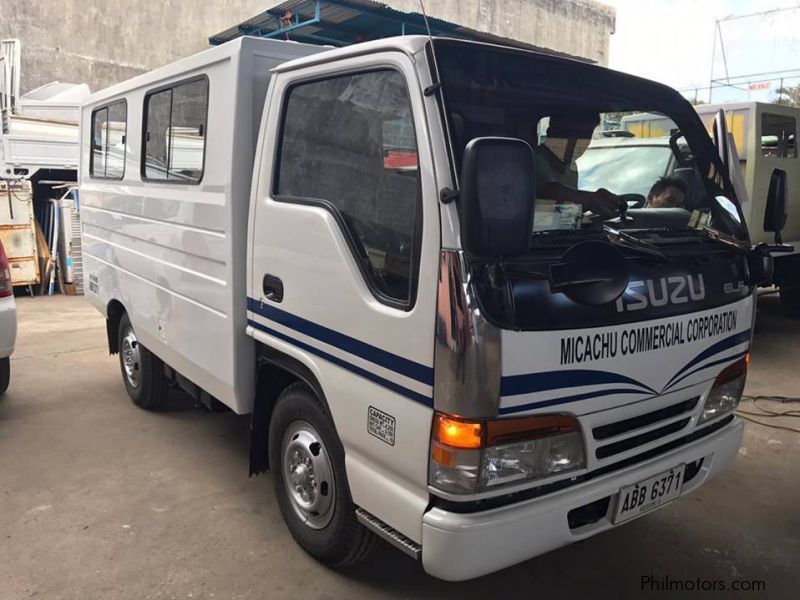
394	537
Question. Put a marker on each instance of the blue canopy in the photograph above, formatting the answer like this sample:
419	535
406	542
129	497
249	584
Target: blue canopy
345	22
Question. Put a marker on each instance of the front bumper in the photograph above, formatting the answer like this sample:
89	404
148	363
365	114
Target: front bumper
459	546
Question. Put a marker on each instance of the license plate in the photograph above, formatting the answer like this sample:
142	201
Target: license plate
649	494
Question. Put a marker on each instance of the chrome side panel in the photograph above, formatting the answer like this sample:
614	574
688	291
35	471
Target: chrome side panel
467	351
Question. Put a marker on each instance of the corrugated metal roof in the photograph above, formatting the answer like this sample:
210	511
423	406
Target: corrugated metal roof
346	22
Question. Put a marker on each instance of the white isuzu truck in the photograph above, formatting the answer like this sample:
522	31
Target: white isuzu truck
382	253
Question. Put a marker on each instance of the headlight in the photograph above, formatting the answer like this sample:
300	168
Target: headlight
726	392
472	456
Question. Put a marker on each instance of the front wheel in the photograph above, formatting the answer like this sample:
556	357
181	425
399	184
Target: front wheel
308	474
142	371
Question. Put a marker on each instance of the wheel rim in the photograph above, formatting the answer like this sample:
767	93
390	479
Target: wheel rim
308	475
131	359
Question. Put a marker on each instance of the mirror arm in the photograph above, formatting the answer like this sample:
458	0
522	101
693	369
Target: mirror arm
778	247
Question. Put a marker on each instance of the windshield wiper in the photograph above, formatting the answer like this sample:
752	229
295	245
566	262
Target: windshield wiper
706	232
718	236
622	238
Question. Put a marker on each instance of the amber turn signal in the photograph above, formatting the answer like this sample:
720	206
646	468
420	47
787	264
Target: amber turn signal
457	433
734	371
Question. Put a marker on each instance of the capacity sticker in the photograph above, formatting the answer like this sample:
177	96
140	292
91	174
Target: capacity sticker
381	425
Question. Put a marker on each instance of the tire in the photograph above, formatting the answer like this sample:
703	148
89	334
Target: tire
323	523
5	374
790	300
142	371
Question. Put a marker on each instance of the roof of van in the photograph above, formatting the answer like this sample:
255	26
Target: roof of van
197	61
297	55
301	55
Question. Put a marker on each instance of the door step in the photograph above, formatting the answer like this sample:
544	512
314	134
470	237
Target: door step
391	535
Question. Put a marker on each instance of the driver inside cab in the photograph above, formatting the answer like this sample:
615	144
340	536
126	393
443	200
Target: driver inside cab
667	192
567	138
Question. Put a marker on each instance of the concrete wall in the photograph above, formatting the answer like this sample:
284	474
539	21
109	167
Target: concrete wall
101	42
577	27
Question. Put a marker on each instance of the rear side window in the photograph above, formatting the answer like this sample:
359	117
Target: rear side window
348	143
778	136
175	132
109	133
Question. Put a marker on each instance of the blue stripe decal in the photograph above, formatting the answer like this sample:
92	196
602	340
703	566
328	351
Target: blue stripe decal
393	362
708	366
513	409
514	385
390	385
721	346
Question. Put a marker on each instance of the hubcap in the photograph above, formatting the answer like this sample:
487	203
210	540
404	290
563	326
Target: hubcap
130	358
308	475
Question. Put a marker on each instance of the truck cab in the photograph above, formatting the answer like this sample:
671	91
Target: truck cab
444	340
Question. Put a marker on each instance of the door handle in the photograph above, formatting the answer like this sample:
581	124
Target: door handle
273	288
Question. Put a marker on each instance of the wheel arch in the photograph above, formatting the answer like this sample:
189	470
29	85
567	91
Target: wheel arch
276	372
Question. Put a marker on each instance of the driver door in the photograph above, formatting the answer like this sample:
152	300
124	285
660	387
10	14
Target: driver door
345	240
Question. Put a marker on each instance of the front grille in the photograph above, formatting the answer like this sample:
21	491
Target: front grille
640	440
606	431
633	424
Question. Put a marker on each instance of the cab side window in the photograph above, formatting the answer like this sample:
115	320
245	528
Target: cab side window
348	144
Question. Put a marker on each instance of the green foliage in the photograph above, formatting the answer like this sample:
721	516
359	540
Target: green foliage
788	96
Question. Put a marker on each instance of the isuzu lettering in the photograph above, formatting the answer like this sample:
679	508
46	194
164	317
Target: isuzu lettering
383	253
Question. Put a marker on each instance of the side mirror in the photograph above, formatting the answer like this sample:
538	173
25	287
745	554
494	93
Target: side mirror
496	198
775	212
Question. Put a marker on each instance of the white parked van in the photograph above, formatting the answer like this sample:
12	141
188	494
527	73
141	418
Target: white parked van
8	321
441	339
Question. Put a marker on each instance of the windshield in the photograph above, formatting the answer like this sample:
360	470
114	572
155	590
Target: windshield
588	171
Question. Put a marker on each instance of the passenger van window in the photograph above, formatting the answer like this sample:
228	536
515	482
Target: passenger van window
175	132
778	136
109	129
348	144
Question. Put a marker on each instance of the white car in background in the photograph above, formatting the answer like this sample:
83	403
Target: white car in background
8	321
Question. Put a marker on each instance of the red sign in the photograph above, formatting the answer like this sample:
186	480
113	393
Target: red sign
761	85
